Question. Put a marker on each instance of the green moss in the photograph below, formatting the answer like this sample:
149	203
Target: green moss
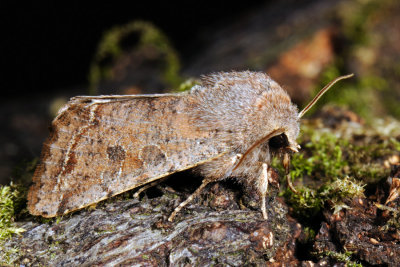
306	203
328	154
335	166
13	207
321	156
109	49
9	256
344	257
340	190
12	199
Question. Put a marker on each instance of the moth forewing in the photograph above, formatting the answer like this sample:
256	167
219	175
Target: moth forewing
103	146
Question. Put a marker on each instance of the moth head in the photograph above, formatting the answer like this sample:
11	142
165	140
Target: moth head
281	140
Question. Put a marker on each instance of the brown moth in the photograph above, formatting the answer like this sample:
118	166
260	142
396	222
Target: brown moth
229	126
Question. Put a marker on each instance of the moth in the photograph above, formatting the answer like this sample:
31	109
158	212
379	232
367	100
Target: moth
231	125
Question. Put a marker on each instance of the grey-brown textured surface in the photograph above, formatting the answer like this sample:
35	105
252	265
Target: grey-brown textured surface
132	232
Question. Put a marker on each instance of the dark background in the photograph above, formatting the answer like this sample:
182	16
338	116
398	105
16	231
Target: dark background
45	46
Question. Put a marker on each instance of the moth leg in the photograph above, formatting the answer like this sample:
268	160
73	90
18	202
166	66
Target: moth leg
286	165
145	187
234	160
263	188
190	198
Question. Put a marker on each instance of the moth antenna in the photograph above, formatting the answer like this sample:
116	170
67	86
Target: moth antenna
323	91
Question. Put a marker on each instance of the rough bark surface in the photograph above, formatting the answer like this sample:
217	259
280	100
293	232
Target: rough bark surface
136	232
363	229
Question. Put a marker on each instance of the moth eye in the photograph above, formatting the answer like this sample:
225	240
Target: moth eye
278	141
